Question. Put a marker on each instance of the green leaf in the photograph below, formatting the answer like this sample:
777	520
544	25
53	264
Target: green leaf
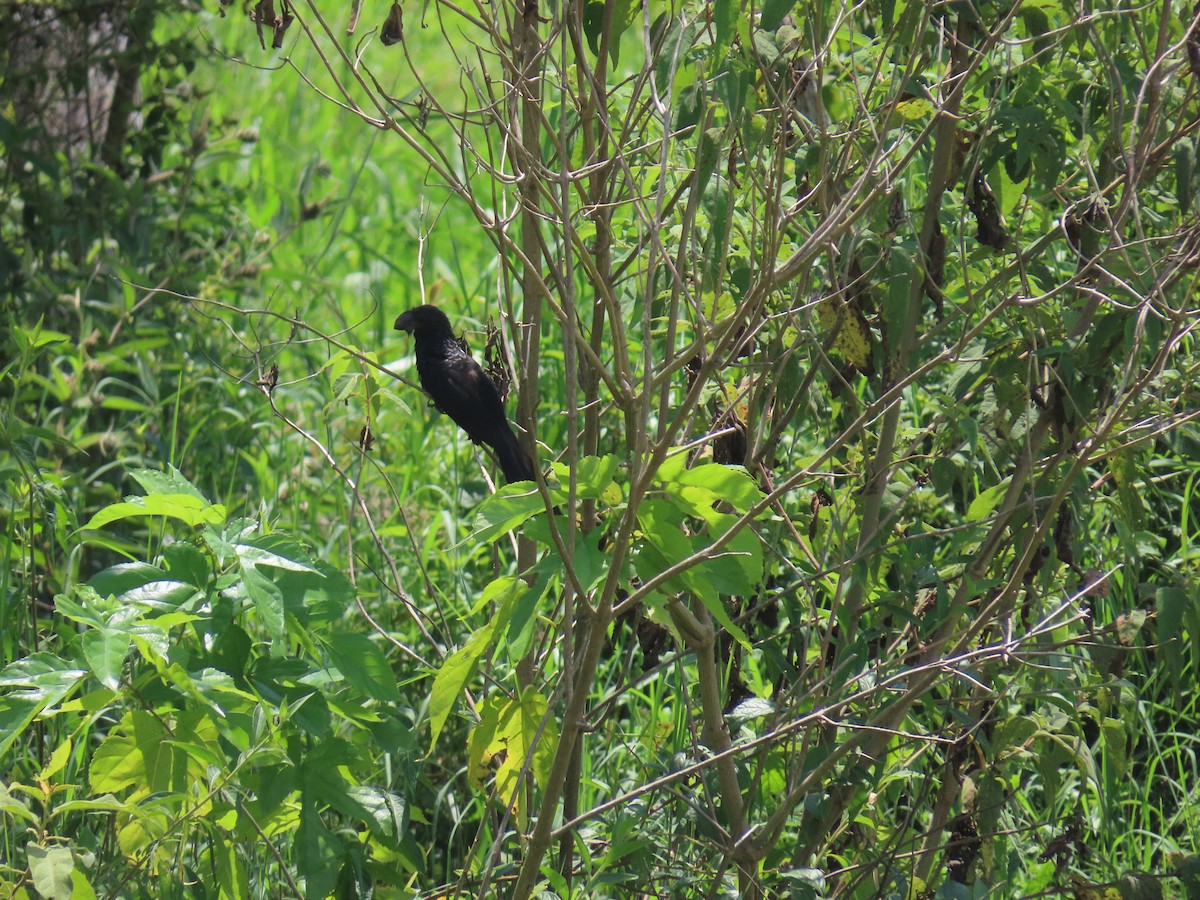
105	652
267	599
188	509
716	609
774	12
317	852
1172	603
502	512
277	551
145	585
385	813
1184	153
232	878
1012	736
452	676
593	475
1116	746
363	664
738	566
15	807
710	483
751	708
983	505
51	869
1140	886
33	683
725	14
150	756
186	563
134	755
680	37
516	733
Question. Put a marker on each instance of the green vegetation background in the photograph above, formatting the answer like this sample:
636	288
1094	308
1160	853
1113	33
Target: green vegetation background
211	686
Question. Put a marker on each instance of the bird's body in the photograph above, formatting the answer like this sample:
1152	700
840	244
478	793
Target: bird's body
461	389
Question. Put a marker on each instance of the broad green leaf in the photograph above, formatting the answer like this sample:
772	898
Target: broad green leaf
774	12
593	475
33	683
51	869
521	734
1115	745
522	621
147	755
452	676
232	878
385	813
725	14
751	708
1171	604
105	651
134	755
317	852
145	585
729	484
1012	735
37	337
316	596
103	803
186	563
503	511
1184	153
716	609
915	109
363	664
275	550
267	599
983	505
188	509
738	566
17	710
15	806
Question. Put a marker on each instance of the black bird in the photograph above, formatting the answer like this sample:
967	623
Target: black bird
462	390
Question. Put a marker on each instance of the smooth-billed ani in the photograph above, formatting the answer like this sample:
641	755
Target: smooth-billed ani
462	390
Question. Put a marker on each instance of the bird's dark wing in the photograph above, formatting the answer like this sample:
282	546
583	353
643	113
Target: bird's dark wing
461	390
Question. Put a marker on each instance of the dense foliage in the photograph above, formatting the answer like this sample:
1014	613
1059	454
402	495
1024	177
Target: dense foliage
856	344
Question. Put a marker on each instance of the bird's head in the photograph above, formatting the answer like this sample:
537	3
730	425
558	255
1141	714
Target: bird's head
424	321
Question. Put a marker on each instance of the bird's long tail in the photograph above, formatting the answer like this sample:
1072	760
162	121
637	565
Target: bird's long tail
514	462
